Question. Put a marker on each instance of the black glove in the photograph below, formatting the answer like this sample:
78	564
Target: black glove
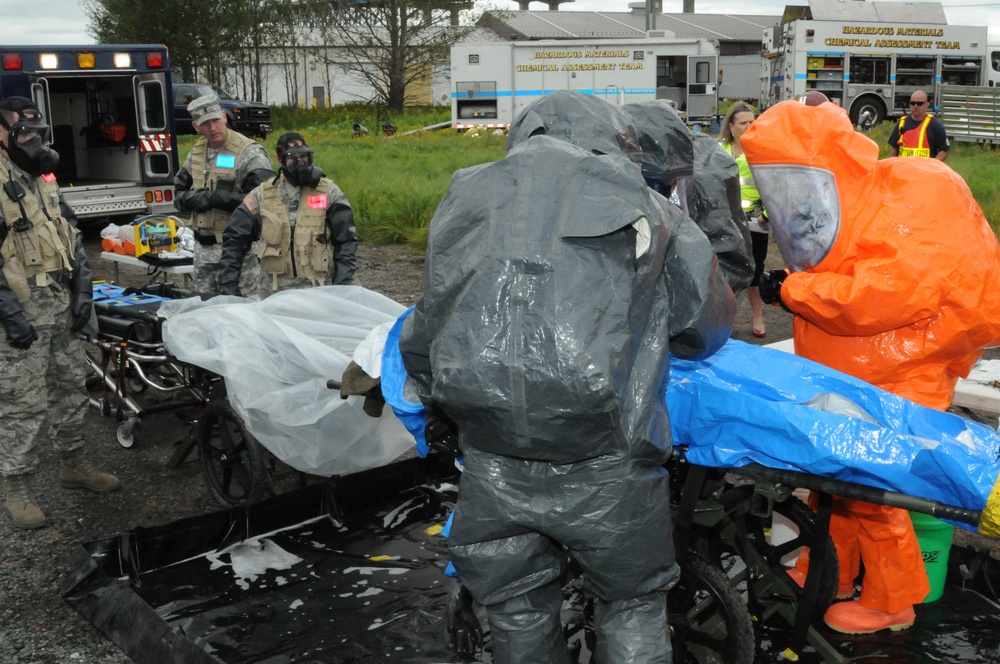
20	333
465	634
223	200
183	181
441	434
229	289
80	309
770	287
197	200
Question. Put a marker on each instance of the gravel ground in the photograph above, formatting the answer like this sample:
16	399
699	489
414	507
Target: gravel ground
36	626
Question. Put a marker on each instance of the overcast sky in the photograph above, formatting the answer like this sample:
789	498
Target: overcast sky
64	21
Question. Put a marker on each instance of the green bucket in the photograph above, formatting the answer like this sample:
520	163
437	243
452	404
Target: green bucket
935	543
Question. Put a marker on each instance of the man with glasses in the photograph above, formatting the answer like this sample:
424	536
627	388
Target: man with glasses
919	134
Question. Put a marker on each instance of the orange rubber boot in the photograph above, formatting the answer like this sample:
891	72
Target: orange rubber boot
852	618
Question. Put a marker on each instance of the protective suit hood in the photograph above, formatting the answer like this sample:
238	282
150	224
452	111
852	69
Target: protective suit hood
666	142
908	296
810	166
583	120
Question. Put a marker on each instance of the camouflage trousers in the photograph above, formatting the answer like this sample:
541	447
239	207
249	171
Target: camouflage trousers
45	380
205	277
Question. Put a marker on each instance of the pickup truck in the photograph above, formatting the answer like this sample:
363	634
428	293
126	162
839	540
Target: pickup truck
247	117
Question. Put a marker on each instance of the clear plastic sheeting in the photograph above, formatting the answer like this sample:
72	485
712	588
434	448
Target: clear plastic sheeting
276	356
748	404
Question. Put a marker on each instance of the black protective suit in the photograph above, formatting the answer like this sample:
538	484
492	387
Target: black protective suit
550	303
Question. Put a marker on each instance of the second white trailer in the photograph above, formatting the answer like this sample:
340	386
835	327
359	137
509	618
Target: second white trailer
494	81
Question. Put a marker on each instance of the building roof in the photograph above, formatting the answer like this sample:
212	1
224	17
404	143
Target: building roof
875	12
629	25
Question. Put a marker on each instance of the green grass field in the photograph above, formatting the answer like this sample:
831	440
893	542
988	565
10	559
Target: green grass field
395	183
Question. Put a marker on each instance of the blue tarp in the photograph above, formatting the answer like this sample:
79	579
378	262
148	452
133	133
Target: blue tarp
750	404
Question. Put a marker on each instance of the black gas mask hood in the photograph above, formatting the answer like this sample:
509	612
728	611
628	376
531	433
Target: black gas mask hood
29	154
301	172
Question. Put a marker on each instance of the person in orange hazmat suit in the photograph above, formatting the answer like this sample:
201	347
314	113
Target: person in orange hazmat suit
893	277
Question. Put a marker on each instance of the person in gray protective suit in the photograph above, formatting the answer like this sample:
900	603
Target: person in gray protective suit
549	308
219	171
302	223
695	173
45	300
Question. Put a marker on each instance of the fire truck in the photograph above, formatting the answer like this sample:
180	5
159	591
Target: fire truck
869	57
111	120
494	81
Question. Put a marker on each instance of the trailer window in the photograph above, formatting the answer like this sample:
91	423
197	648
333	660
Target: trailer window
702	72
152	109
995	60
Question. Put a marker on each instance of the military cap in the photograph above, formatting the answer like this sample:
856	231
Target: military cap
205	108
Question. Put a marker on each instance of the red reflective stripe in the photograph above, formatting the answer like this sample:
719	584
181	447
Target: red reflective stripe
154	142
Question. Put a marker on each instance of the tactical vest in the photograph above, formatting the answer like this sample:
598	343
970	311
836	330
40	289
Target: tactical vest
41	245
913	143
306	252
216	177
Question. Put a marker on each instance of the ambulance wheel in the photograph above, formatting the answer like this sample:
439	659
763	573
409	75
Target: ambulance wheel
707	617
868	112
231	459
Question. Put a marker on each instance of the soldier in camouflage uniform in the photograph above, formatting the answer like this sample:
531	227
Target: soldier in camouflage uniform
301	222
220	169
45	299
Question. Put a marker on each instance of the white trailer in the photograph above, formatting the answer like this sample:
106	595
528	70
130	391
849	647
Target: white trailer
494	81
869	57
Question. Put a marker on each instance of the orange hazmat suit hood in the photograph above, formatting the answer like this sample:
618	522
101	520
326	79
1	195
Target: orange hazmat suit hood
895	270
811	169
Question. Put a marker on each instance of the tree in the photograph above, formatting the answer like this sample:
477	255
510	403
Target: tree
390	44
202	38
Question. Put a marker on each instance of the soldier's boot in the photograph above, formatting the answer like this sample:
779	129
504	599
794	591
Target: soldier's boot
74	473
19	503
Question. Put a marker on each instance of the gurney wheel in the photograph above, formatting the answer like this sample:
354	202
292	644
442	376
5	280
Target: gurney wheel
126	433
708	619
771	585
231	458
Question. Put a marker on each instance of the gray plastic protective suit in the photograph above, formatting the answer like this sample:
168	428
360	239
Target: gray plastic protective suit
544	331
704	179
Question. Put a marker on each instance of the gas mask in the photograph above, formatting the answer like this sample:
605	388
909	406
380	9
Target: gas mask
803	209
297	167
25	147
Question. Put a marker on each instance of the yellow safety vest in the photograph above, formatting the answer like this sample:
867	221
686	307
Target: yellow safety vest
44	246
221	173
306	252
913	143
749	196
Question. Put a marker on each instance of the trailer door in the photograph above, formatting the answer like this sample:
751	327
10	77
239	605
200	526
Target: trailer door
702	86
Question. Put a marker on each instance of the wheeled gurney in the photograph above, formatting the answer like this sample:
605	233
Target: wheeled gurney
127	359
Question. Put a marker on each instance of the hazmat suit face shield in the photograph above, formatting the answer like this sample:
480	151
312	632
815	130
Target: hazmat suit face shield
26	147
583	120
297	166
803	208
